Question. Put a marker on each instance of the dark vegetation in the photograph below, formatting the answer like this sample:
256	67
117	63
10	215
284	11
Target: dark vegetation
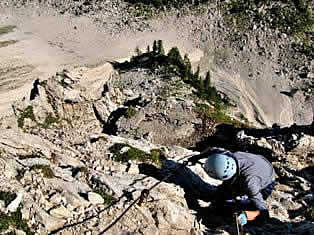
46	170
28	112
7	29
172	64
293	17
135	154
108	199
166	3
13	219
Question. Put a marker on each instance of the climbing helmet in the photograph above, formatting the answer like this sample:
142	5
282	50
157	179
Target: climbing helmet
220	166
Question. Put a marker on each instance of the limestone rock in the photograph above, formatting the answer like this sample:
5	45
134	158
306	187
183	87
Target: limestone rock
60	212
12	207
95	198
51	223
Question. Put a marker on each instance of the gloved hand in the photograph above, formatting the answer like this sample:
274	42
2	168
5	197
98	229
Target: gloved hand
242	218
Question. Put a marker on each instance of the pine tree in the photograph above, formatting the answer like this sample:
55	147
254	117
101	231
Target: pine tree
207	81
160	48
174	56
155	48
148	49
197	73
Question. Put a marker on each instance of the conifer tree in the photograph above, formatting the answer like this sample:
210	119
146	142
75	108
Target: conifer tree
207	81
148	49
155	48
197	74
160	48
174	55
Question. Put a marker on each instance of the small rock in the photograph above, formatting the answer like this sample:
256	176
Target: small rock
20	232
12	207
133	169
95	198
60	212
2	204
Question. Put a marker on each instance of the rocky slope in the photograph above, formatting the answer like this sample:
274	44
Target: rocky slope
65	175
80	147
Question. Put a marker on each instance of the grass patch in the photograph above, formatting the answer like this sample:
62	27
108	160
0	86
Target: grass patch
108	198
49	120
13	219
134	154
28	112
46	170
7	43
7	29
7	197
218	115
130	112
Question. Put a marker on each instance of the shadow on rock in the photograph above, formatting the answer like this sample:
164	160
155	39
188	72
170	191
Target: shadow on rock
194	187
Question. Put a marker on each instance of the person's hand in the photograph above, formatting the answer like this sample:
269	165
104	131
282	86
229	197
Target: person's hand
242	218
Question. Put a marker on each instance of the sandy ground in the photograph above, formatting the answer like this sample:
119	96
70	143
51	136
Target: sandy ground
48	43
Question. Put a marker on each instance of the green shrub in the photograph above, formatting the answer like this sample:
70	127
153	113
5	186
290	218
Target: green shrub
15	220
134	154
26	113
130	112
7	29
108	198
7	197
46	170
49	120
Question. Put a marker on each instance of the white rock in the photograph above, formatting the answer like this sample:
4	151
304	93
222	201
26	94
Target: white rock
60	212
95	198
2	205
56	198
12	207
20	232
51	223
133	169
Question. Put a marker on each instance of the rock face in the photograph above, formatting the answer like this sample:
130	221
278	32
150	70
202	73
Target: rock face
61	155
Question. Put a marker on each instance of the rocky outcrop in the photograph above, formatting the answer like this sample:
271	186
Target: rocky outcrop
78	163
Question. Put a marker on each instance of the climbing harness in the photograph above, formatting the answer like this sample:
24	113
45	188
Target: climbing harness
238	225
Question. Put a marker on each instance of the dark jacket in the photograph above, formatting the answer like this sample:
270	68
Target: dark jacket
254	174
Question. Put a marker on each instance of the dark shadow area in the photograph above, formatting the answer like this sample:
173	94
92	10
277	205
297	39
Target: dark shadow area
167	3
196	189
35	90
225	137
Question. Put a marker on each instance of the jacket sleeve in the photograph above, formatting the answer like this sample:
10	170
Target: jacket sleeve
254	193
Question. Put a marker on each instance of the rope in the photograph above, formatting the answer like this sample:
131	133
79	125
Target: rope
144	194
140	199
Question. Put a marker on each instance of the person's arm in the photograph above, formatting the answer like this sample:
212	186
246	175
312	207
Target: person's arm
256	198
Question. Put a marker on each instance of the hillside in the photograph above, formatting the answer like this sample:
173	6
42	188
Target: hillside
101	100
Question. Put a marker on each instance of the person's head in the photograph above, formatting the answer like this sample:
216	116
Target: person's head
220	166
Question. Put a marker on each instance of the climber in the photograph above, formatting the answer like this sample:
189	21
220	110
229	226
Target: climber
248	180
